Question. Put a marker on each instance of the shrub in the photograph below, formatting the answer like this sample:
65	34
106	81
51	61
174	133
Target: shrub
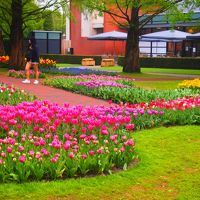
171	63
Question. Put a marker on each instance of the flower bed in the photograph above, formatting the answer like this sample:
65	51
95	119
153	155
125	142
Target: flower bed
44	141
4	59
47	63
41	140
12	96
77	71
193	84
130	95
22	74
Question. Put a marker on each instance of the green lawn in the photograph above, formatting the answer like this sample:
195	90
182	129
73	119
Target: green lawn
169	169
156	70
171	71
66	65
160	85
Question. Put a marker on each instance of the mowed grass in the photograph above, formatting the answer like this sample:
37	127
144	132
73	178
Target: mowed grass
160	85
169	168
156	70
171	71
67	65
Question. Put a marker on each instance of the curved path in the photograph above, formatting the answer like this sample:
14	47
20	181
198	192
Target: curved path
52	94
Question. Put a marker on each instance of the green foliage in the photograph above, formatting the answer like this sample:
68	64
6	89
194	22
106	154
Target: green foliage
22	74
34	17
53	21
173	63
13	96
126	95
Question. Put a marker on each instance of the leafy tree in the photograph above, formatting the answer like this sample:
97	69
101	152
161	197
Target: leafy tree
2	52
16	16
133	15
53	21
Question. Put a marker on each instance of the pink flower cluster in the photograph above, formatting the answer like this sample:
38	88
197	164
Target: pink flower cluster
5	88
97	77
41	132
100	83
177	104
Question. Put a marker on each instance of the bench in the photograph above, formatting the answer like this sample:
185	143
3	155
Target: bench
88	62
107	62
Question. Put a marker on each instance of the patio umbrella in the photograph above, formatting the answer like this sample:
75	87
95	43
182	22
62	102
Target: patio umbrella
194	36
156	40
112	35
171	35
168	36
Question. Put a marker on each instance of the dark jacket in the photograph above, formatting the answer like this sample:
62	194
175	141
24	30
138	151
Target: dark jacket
32	54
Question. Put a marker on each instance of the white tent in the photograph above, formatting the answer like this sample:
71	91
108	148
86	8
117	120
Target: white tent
194	36
170	35
112	35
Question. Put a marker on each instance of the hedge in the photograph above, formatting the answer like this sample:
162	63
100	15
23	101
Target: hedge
146	62
171	63
72	59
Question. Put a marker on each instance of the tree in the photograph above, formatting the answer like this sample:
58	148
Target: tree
133	15
16	14
53	21
2	52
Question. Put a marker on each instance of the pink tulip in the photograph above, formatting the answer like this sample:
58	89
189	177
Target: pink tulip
130	126
67	145
91	152
21	148
71	155
22	159
31	153
9	149
83	156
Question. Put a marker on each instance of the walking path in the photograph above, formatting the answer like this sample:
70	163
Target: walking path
52	94
61	96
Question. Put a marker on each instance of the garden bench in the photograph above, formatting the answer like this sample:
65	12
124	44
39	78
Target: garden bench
107	62
88	62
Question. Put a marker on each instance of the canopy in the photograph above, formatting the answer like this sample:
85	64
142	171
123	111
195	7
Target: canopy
194	36
157	40
113	35
169	35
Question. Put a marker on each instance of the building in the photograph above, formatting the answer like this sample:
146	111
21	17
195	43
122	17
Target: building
85	24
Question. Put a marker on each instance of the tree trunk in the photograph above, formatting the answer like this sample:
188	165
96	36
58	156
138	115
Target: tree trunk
16	36
132	44
2	52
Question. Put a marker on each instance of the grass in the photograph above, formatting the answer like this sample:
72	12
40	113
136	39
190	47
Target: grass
66	65
171	71
169	168
160	85
156	70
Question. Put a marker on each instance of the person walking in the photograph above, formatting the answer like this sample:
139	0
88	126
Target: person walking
32	60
